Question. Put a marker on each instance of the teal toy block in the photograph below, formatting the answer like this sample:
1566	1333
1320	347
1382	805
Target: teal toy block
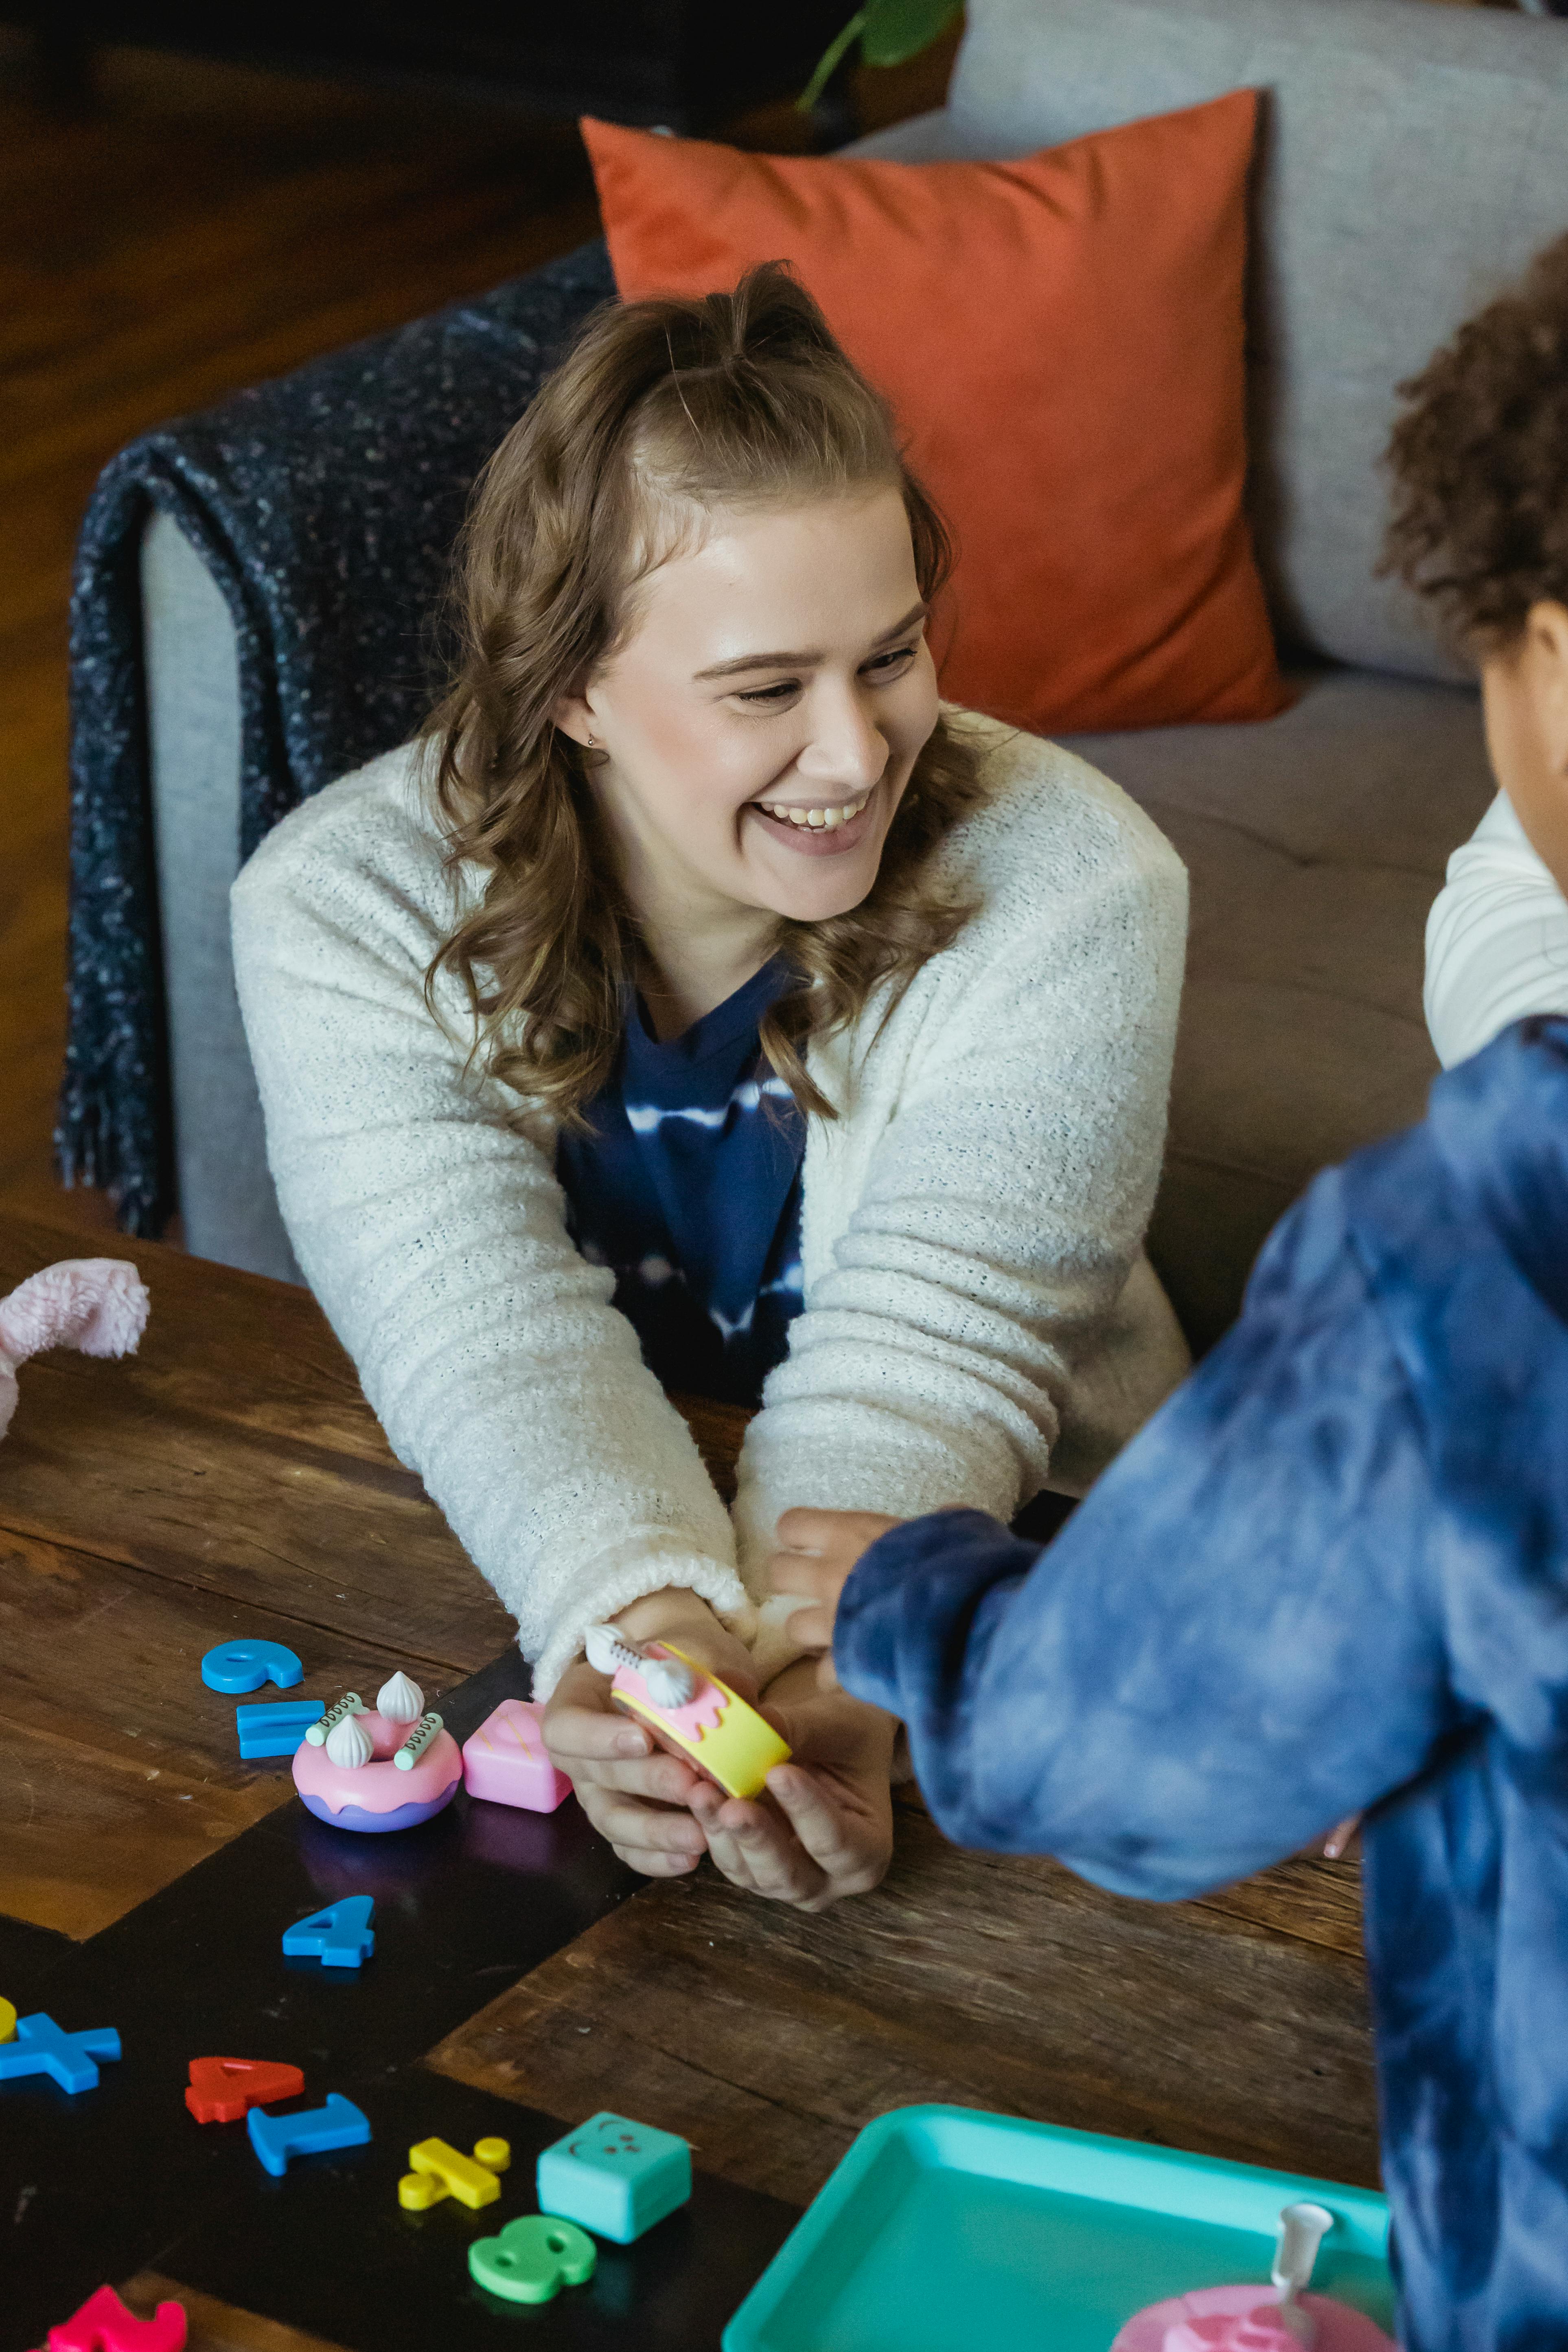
614	2177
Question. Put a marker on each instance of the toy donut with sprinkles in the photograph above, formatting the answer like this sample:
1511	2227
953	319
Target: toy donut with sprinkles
376	1768
689	1711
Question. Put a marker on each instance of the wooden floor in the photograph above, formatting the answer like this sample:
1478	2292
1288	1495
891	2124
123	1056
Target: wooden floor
199	228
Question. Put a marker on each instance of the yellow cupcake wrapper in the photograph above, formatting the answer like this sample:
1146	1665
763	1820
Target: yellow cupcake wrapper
739	1754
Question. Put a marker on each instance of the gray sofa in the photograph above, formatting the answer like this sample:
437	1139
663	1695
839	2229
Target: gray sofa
1411	158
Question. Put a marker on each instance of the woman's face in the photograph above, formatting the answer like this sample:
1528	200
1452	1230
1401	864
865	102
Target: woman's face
758	725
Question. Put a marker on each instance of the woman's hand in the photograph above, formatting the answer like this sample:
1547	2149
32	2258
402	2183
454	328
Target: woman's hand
816	1552
633	1792
825	1827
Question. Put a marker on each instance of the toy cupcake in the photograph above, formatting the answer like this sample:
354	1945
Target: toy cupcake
689	1711
1248	2319
1253	2319
382	1767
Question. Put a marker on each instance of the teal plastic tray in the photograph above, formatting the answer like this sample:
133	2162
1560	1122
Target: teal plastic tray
946	2229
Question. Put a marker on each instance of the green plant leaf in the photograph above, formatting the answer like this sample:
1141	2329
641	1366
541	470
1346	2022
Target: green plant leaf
896	29
827	63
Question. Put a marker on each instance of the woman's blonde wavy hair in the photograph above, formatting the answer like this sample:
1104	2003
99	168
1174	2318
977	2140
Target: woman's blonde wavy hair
662	411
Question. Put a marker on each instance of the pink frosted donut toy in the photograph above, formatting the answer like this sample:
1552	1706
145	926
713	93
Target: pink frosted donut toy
376	1768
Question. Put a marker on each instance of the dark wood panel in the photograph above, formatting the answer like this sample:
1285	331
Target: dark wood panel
236	1452
229	1478
769	2039
718	1429
121	1768
1317	1900
86	1836
214	2326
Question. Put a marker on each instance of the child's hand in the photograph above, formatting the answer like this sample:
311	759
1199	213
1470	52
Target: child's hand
825	1827
817	1549
633	1792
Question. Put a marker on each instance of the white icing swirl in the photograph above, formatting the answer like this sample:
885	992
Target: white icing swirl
671	1682
400	1700
349	1744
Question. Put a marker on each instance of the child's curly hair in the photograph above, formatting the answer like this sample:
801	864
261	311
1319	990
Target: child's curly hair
1480	462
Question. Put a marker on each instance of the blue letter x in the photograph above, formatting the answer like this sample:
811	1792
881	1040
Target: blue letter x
40	2048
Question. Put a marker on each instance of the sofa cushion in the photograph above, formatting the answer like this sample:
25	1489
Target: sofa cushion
1316	843
1063	343
1411	159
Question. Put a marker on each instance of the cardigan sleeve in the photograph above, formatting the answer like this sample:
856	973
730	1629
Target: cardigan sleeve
980	1278
1496	939
427	1220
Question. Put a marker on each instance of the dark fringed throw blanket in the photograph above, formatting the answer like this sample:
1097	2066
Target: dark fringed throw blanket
325	504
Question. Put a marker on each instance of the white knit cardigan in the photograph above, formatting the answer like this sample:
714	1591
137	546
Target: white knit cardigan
977	1317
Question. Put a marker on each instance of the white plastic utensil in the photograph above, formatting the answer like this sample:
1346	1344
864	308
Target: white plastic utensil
1303	2229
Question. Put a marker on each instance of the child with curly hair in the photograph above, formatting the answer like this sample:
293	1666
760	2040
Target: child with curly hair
1331	1575
1481	528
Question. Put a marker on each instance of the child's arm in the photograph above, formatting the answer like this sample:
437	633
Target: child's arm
1236	1639
825	1828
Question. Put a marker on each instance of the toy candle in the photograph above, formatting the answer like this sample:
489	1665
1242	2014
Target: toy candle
321	1731
418	1741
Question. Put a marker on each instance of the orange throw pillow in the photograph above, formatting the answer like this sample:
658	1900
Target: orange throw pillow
1062	342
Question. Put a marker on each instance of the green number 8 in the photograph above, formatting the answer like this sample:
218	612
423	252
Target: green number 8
533	2259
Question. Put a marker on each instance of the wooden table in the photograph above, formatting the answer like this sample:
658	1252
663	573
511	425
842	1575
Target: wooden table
231	1479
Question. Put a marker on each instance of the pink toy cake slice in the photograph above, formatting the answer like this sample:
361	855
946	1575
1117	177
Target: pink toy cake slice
1247	2319
506	1760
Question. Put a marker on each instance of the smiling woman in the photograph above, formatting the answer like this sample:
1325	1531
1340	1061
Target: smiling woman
700	1003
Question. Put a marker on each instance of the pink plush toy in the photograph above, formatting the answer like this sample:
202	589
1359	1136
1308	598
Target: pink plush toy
96	1304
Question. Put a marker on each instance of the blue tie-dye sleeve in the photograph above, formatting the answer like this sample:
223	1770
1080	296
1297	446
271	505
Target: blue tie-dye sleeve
1330	1574
1231	1644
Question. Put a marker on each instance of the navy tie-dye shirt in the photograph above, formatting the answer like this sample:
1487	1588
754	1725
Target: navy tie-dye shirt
689	1186
1330	1574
